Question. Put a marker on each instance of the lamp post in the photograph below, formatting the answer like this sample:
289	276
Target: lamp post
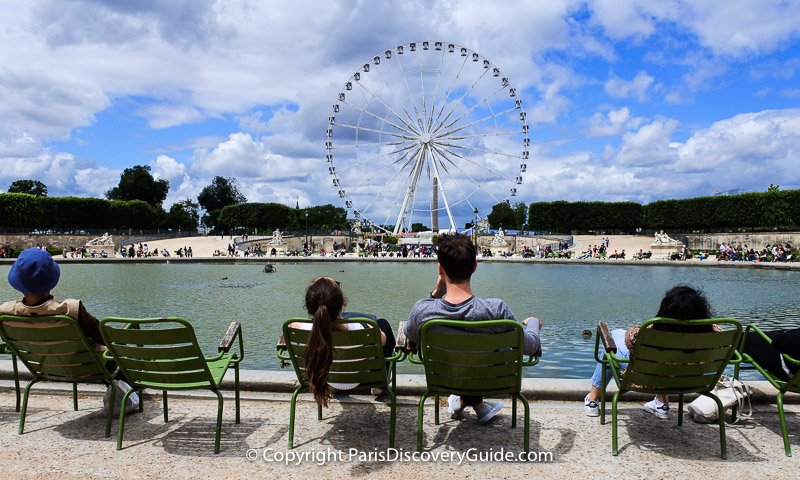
307	244
475	226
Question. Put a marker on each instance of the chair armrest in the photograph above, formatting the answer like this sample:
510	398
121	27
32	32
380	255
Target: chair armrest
605	336
234	332
283	354
402	344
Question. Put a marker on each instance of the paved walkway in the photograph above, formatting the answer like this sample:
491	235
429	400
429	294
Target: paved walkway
66	444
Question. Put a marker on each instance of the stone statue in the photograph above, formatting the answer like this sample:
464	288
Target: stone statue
483	225
662	239
356	226
499	237
277	238
104	239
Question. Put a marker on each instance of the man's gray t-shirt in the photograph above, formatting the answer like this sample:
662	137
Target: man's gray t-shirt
473	309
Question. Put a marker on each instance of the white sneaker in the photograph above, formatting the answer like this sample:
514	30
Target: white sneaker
488	412
660	410
454	406
591	407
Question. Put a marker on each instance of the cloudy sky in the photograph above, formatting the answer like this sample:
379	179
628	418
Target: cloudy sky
626	100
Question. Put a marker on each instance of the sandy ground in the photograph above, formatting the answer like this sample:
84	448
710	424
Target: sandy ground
205	246
66	444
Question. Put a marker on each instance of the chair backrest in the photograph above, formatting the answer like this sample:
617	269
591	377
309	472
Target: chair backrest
157	352
463	358
53	348
679	356
357	354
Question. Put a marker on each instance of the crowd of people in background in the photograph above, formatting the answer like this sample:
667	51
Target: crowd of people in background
770	253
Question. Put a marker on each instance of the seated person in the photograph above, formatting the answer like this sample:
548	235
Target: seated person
768	355
679	303
452	298
34	274
325	302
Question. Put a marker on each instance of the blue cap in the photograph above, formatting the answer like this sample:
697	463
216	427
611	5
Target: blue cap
35	271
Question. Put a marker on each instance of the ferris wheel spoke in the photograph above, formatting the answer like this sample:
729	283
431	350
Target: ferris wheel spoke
480	149
410	94
473	108
435	92
374	130
470	161
476	122
488	134
385	105
450	90
362	163
398	98
377	117
460	100
369	144
477	183
422	87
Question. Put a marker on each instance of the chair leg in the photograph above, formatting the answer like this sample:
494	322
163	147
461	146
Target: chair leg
436	409
392	416
121	427
319	411
218	432
614	450
25	406
75	396
723	443
164	405
735	408
236	387
394	376
603	398
787	447
514	411
292	405
527	426
420	413
680	410
16	380
110	413
141	400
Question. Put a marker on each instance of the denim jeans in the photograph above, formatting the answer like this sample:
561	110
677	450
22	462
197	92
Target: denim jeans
622	351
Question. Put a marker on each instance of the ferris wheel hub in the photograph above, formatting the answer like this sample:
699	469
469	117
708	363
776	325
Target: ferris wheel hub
425	138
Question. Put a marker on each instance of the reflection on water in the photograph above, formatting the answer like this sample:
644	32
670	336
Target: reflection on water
568	298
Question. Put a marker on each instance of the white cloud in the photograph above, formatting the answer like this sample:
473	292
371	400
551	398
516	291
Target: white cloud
612	123
637	87
648	146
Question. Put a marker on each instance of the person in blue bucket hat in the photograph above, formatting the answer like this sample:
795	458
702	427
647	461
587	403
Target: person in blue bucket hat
35	274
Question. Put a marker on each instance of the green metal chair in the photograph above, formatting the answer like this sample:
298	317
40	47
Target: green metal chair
474	363
357	358
163	354
792	385
5	349
54	348
670	357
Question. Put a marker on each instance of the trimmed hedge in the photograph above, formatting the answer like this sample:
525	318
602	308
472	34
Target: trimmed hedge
270	216
768	211
20	210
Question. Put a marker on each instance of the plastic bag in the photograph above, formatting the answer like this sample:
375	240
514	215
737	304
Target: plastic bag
131	405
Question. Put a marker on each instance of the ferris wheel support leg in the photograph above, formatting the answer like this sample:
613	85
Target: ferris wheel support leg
409	194
444	196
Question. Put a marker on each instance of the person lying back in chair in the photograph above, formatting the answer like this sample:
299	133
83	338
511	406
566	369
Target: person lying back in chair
453	299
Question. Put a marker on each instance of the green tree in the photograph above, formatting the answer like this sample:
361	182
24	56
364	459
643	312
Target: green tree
502	214
137	183
520	214
183	215
31	187
418	227
220	193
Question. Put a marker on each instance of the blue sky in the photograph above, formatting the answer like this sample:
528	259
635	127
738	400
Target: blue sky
626	100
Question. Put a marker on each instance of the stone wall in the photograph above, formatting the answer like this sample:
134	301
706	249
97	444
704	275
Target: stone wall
23	241
755	240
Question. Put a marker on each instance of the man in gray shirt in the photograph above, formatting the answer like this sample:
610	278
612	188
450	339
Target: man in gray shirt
453	299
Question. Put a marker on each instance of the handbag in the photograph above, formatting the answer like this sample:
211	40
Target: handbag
122	388
730	392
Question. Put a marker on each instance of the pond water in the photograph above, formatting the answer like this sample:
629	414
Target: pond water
568	298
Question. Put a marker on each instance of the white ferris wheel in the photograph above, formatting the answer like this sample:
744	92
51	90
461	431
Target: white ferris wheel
424	130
